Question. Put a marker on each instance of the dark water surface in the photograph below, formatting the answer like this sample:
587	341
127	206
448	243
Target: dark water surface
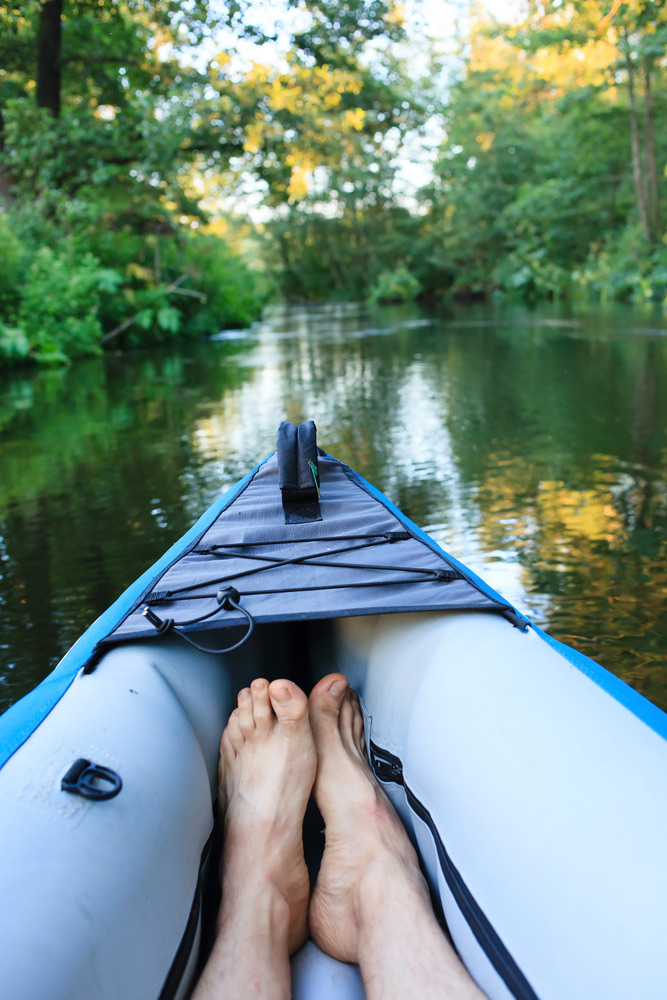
531	445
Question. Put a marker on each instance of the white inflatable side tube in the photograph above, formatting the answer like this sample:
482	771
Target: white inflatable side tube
546	793
107	887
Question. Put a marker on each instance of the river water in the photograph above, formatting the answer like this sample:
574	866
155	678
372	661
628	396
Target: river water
532	445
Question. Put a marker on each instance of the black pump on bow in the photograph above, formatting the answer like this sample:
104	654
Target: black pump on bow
298	473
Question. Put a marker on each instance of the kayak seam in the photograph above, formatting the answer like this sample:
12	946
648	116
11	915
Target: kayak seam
298	616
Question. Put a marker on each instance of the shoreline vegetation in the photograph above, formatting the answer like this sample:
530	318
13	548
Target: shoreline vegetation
139	152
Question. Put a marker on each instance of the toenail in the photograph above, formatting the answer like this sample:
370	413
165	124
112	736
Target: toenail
282	694
338	687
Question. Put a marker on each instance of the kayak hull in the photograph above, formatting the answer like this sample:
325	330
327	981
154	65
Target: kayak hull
531	781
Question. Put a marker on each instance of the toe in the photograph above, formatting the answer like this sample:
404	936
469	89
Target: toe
225	764
289	702
326	700
227	750
246	720
233	732
346	720
261	706
357	722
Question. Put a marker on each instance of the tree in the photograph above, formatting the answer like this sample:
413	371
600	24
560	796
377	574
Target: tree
49	34
534	186
633	33
110	124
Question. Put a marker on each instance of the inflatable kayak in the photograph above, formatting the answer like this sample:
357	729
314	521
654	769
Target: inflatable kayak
532	781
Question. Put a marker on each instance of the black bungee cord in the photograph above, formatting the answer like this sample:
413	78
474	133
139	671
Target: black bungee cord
227	598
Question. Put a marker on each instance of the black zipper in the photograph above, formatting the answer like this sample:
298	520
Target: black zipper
388	767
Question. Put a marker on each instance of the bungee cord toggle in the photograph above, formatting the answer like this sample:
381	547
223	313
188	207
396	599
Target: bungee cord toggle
227	598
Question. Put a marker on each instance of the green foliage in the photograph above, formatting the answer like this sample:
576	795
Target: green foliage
14	345
620	268
232	291
84	249
316	257
106	176
535	194
394	286
60	304
12	260
98	206
537	188
69	298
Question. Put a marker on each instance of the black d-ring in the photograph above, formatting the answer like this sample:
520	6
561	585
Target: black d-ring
91	781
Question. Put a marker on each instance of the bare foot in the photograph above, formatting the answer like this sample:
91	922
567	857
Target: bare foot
366	844
267	768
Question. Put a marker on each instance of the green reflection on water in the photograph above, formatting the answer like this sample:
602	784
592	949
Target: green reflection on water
531	445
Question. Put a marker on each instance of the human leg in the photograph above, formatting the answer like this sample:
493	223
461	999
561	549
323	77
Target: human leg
267	767
370	904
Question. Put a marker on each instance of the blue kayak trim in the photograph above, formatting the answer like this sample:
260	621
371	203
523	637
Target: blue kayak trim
23	718
650	714
641	707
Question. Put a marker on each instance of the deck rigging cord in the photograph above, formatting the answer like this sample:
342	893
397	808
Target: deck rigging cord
228	598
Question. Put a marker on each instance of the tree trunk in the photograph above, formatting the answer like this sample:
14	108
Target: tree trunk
48	55
293	278
640	190
652	174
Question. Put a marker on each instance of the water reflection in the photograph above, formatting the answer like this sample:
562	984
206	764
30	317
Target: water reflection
532	446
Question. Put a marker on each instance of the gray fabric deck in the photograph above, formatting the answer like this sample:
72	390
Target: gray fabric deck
276	594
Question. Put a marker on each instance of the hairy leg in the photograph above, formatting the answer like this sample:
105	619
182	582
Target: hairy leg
267	767
370	904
